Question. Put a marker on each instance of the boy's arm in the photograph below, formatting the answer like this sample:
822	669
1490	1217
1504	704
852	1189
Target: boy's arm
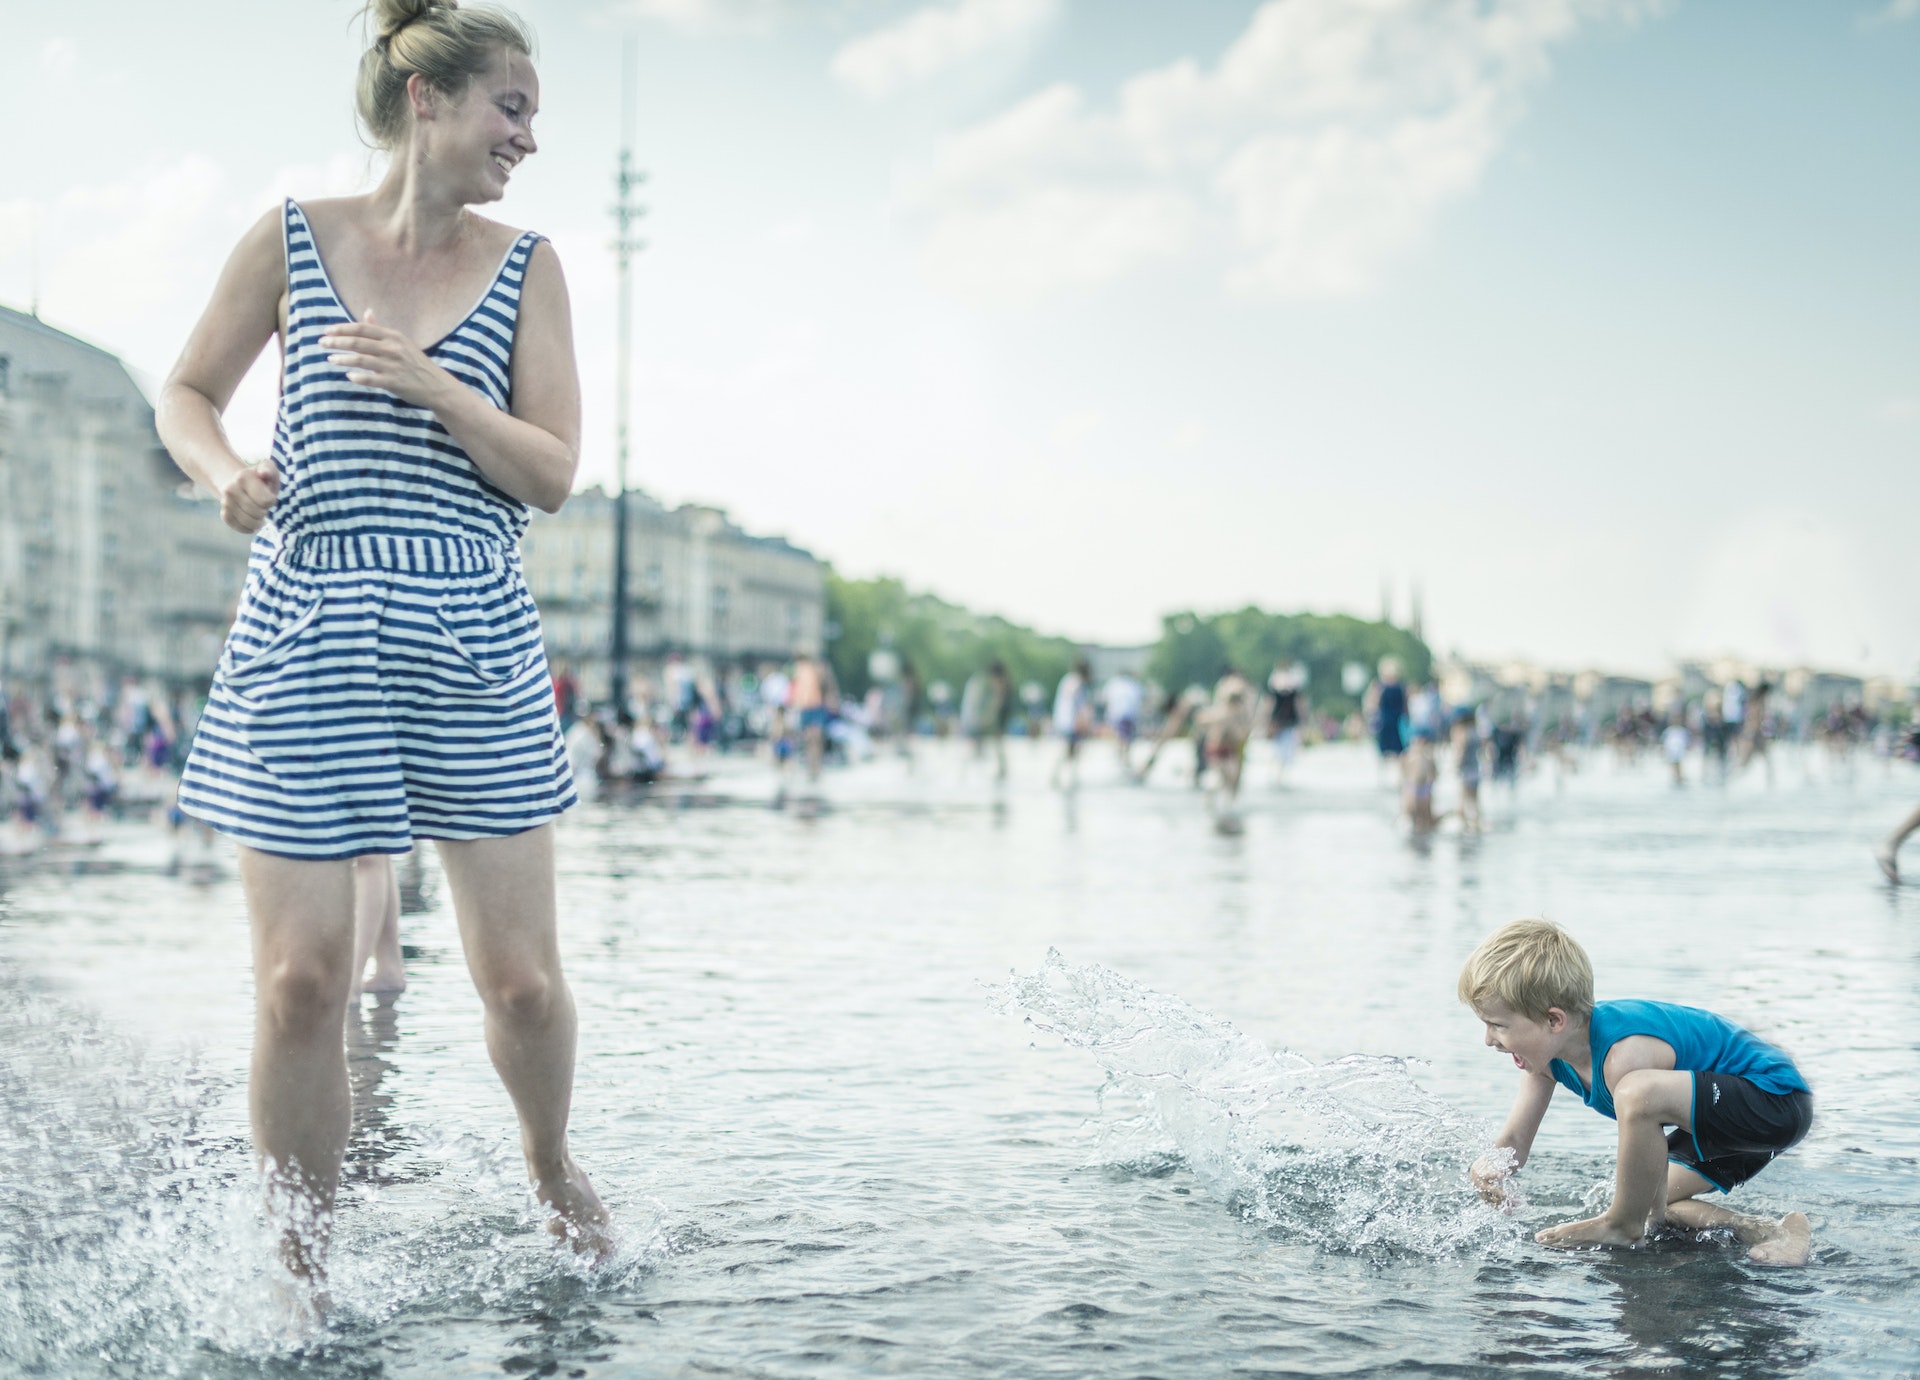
1523	1123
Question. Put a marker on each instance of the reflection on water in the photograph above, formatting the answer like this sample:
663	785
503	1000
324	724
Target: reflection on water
833	1155
379	1140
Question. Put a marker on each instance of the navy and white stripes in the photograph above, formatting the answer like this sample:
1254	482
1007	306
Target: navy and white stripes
384	679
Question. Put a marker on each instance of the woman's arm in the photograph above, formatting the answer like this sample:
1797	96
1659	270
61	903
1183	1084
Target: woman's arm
242	317
530	452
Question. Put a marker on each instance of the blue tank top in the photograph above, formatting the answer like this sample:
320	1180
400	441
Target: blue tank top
1702	1043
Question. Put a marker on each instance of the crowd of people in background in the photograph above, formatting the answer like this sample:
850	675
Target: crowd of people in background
68	762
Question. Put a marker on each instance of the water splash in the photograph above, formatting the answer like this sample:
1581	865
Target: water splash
1349	1155
133	1239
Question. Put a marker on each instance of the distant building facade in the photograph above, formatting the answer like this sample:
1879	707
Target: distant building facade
109	564
697	585
112	565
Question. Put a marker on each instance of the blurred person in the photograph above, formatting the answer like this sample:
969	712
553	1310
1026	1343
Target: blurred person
812	696
1674	742
1469	750
1123	697
1072	719
1713	735
1387	707
1178	710
585	743
985	703
1426	712
1225	726
1509	740
1754	729
566	695
681	694
1285	711
1733	708
1419	772
399	483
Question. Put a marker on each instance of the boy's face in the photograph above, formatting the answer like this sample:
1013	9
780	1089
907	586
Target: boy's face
1533	1044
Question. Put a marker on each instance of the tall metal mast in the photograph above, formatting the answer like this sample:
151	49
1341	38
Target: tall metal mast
625	246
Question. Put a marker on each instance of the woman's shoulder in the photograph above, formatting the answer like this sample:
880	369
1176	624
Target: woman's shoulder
497	237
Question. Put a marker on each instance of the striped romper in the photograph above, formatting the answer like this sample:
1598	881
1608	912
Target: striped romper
385	679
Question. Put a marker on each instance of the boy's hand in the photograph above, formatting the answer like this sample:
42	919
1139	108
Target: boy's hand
1492	1177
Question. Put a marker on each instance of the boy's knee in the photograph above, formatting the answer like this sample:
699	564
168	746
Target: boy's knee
1638	1095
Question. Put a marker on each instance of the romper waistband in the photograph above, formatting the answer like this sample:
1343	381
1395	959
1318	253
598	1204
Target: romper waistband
386	551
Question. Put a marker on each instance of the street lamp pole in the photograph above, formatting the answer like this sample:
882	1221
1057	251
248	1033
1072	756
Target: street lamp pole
625	212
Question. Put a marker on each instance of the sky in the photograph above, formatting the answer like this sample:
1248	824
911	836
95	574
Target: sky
1597	322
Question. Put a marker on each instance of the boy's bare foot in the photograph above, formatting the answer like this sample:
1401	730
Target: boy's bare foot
1790	1242
579	1218
1593	1231
1889	862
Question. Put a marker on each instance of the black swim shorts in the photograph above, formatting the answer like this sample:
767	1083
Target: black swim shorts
1737	1129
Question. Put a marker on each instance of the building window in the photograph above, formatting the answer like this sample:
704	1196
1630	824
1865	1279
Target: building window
722	601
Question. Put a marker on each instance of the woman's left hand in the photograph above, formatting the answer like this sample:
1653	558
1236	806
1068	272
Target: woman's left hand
377	356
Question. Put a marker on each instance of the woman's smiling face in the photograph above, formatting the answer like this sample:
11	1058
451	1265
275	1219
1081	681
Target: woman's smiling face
478	140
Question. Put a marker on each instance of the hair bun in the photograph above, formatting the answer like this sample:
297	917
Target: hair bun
391	16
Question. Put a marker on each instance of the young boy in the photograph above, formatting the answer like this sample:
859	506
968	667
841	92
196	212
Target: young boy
1735	1101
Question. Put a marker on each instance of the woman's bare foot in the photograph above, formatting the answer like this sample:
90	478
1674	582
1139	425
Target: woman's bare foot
1889	862
1789	1243
385	982
300	1309
579	1218
1593	1231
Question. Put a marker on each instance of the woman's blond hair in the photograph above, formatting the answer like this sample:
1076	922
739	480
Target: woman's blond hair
1529	966
444	43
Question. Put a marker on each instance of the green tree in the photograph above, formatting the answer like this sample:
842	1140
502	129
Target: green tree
1196	649
939	640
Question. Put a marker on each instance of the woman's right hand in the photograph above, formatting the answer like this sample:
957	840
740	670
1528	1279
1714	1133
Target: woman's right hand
248	496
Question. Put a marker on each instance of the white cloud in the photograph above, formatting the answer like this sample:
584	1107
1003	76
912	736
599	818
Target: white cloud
710	16
1043	197
1320	148
129	264
58	56
1895	12
932	40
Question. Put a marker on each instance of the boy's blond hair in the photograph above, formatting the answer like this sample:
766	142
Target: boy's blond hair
1529	966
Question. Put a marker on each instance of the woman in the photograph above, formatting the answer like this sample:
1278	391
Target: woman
384	680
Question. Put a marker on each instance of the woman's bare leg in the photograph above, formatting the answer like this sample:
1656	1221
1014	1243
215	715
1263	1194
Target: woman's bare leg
1888	853
376	925
302	919
503	897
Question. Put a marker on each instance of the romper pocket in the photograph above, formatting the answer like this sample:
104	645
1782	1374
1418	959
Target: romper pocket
239	674
491	649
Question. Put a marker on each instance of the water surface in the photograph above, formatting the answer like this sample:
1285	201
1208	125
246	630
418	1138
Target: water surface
853	1122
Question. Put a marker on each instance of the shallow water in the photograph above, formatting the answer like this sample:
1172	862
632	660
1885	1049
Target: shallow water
854	1119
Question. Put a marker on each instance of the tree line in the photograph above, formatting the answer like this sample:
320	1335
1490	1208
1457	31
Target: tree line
942	641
